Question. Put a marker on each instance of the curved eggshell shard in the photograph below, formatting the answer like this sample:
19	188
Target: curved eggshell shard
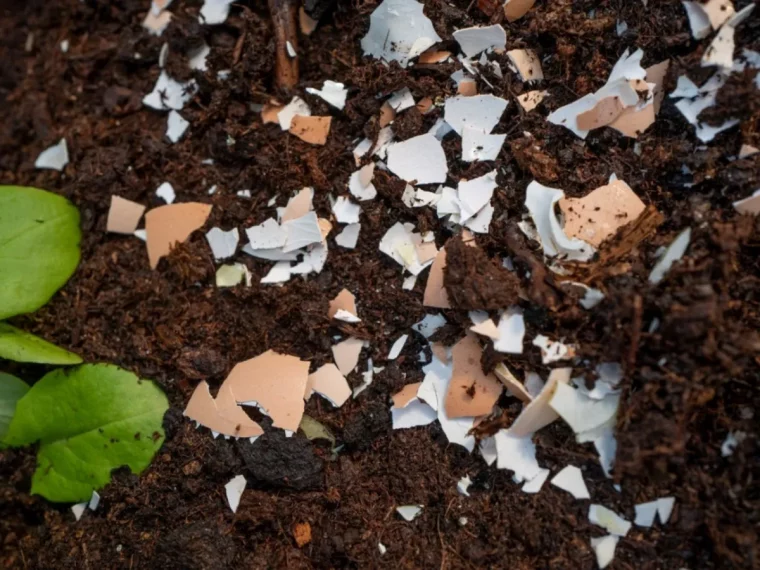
601	213
344	300
346	354
408	393
471	391
276	383
435	293
539	413
171	224
231	421
327	381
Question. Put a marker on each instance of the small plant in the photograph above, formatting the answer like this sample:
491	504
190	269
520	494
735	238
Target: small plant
89	419
39	251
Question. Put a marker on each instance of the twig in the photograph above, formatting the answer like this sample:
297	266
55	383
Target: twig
284	18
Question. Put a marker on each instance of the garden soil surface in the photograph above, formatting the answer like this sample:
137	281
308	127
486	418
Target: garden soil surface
687	384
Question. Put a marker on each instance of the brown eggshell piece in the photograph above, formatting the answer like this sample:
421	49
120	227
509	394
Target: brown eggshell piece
344	300
387	114
123	215
601	114
168	225
435	293
600	214
313	130
516	9
298	206
467	88
471	392
346	354
330	383
487	328
230	420
424	105
269	113
407	394
306	22
433	56
276	382
513	385
426	251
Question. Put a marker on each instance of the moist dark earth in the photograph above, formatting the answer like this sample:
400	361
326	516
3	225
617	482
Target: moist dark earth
687	384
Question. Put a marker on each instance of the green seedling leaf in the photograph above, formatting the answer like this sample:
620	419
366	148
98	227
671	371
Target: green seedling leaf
313	429
11	391
89	420
39	247
21	346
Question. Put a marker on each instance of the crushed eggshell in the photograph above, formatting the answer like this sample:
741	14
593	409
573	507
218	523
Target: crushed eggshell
516	9
170	94
346	212
273	382
471	392
674	252
332	92
168	225
538	413
123	215
604	549
609	520
223	244
346	354
343	301
433	56
511	332
399	31
477	39
226	418
329	383
409	512
598	215
349	236
234	491
299	205
232	274
420	159
526	63
313	130
570	479
534	485
480	113
55	157
176	126
531	99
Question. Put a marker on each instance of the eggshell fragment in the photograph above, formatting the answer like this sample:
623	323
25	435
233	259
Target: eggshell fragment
313	130
601	213
486	328
234	422
406	395
516	9
471	392
435	293
527	64
123	215
234	491
55	157
609	520
328	382
480	38
570	479
531	99
467	88
299	205
538	413
276	383
270	113
603	113
170	224
513	385
344	300
433	56
749	206
419	158
346	354
306	22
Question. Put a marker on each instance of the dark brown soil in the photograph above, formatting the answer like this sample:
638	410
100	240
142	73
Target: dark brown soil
688	383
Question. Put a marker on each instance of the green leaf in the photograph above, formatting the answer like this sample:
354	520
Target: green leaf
39	247
21	346
89	420
11	391
313	429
